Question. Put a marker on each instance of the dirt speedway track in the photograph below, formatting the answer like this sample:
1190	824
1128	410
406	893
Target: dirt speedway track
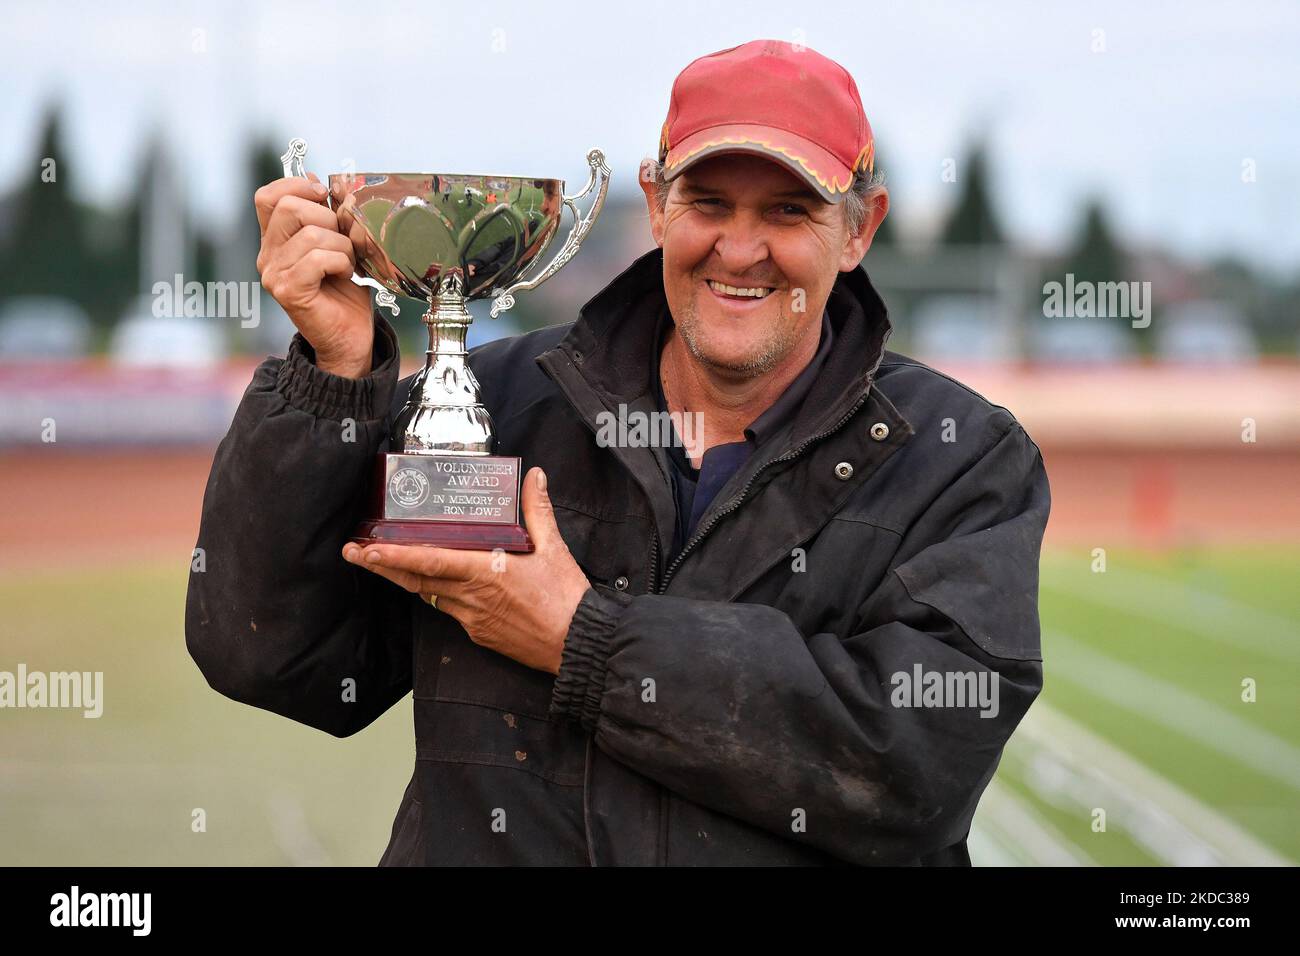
71	508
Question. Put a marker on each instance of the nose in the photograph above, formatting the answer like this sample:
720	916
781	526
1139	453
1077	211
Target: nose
741	245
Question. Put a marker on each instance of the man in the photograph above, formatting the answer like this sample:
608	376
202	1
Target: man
803	641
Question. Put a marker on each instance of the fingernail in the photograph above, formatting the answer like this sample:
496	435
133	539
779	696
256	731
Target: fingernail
351	553
541	480
319	189
372	557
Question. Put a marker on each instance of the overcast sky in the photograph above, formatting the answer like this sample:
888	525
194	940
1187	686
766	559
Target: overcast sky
1160	121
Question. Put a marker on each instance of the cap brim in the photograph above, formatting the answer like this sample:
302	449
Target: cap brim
817	167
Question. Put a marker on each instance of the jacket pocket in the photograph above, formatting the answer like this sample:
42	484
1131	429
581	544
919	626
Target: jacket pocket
605	548
455	732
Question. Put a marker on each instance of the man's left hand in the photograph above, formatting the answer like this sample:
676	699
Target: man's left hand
519	605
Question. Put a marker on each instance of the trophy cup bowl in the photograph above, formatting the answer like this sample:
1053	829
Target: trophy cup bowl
450	238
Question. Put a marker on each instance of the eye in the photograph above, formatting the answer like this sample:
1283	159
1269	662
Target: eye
707	200
792	209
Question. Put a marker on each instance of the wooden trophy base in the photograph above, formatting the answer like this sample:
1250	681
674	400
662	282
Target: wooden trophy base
444	534
446	501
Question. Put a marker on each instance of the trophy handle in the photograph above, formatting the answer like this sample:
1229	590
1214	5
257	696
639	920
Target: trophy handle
505	299
294	164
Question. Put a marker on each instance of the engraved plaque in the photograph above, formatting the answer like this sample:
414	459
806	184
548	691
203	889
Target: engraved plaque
456	488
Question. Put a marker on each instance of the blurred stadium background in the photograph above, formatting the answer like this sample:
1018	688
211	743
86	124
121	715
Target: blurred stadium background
1174	449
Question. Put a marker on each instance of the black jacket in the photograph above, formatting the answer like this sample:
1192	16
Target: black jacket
737	705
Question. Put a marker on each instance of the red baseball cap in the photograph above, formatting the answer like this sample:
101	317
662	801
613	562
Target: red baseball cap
774	99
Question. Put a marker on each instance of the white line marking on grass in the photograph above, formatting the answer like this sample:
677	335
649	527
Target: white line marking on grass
1208	615
1116	771
1061	781
1017	819
986	848
1185	713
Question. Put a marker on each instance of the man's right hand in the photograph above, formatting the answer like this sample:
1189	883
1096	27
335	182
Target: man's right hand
306	263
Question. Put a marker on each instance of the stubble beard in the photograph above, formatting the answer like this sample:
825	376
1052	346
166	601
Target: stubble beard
777	343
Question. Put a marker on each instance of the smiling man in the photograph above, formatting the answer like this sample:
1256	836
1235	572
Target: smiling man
803	640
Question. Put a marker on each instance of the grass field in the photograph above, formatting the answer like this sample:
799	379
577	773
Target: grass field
122	788
1142	717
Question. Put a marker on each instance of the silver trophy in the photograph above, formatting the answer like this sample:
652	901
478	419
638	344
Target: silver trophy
449	238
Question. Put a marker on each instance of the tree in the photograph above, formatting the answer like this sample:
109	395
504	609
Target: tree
1095	255
47	251
972	221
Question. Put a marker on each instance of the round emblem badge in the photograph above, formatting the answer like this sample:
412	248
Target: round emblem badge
408	487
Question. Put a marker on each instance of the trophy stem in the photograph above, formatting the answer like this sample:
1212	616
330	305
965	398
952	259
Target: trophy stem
442	487
443	414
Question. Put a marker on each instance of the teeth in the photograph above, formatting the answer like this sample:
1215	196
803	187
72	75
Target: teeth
756	293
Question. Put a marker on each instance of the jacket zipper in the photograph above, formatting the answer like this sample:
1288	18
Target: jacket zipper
654	562
739	499
657	587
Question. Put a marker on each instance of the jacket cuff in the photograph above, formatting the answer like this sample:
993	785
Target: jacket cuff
322	394
580	684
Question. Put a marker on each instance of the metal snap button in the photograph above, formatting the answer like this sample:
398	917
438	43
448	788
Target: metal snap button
620	583
879	431
844	471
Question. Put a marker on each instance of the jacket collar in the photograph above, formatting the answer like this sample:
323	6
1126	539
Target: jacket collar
604	361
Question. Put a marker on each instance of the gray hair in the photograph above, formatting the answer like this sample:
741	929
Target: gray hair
857	202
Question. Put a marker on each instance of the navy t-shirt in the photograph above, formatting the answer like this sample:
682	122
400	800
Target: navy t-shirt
695	488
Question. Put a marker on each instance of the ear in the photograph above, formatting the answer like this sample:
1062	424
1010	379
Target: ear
647	180
855	247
